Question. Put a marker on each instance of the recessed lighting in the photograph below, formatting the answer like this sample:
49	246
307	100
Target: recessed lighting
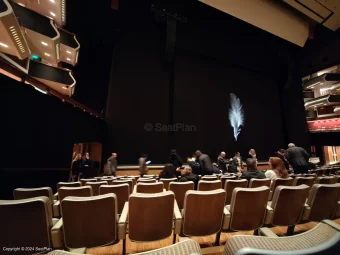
64	87
3	45
52	1
69	52
53	14
43	43
68	59
47	54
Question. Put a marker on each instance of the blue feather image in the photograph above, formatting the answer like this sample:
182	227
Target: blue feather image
236	114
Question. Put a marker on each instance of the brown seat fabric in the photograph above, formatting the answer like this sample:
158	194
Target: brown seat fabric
84	181
122	192
209	178
129	181
180	188
255	183
280	181
155	220
209	185
146	180
227	177
166	182
199	206
68	184
80	228
23	193
85	191
309	181
149	187
95	186
248	208
323	201
25	223
325	180
230	185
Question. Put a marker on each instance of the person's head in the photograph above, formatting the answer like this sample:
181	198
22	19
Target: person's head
169	169
87	155
114	155
237	154
282	151
252	152
198	153
251	163
291	145
187	170
222	154
173	151
188	159
77	157
278	167
144	156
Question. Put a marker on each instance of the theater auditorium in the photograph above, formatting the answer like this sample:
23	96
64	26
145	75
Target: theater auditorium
164	127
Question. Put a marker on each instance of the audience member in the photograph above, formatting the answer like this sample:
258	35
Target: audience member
252	154
175	159
252	171
205	163
278	169
167	172
222	162
189	176
195	166
216	170
76	167
298	159
282	154
235	164
142	165
112	164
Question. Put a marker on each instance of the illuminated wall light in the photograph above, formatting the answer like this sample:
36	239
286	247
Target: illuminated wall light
3	45
69	52
17	39
48	55
68	59
53	14
43	43
64	87
52	1
77	55
62	10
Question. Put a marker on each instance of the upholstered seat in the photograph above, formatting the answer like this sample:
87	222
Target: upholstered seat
209	185
227	177
209	178
230	185
65	184
255	183
95	186
146	180
166	182
278	182
149	187
309	181
325	180
122	181
122	192
179	189
84	181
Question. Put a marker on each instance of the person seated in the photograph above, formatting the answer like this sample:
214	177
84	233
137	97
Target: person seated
236	164
195	166
167	172
252	171
189	176
278	169
216	170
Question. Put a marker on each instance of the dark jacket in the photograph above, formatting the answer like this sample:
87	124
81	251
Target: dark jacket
175	160
206	164
195	166
233	165
283	157
297	156
253	173
190	177
166	175
87	163
221	162
76	166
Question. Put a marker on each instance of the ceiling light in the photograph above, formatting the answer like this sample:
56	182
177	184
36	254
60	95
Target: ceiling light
43	43
3	45
52	1
68	59
64	87
47	54
69	52
53	14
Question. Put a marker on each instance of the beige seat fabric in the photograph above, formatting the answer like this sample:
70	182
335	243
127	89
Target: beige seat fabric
166	182
288	205
80	228
227	177
68	184
316	236
95	186
149	187
26	223
149	176
84	181
209	178
309	181
134	181
146	180
209	185
255	183
85	191
325	180
179	189
322	202
108	180
230	185
279	181
122	192
23	193
248	208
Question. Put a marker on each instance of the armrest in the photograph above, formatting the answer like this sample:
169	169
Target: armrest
177	219
55	196
337	211
79	250
123	221
57	235
135	189
269	215
226	218
306	212
332	224
266	232
56	209
164	190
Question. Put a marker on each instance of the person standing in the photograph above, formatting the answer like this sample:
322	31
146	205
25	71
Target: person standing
298	159
222	162
112	164
142	165
236	164
175	159
205	163
76	167
252	154
86	165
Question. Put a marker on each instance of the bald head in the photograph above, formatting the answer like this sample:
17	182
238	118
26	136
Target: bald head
291	145
222	154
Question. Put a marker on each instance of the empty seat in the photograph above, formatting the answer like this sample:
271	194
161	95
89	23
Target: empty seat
108	180
122	192
95	186
179	189
134	181
149	187
209	178
84	181
209	185
295	175
149	226
230	185
285	211
247	209
227	177
166	182
255	183
199	206
278	182
322	202
28	223
80	230
322	239
309	181
66	184
309	175
319	172
121	181
149	176
146	180
325	180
